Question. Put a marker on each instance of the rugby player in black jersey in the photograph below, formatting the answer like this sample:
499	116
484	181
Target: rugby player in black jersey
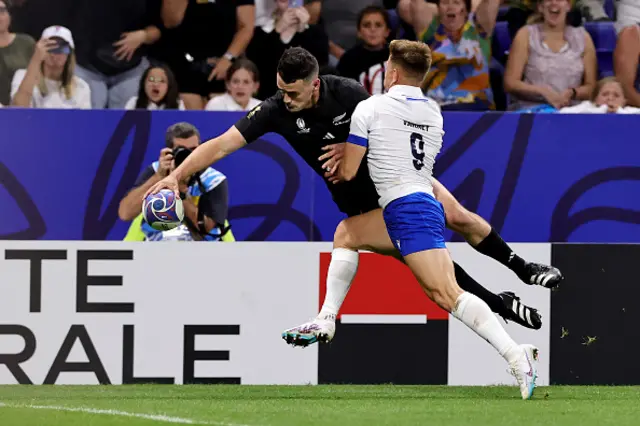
310	110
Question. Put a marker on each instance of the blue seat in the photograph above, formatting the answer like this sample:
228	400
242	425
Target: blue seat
501	33
394	19
605	63
603	34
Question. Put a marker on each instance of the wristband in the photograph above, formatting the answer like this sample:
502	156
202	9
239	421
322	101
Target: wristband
229	56
574	93
183	196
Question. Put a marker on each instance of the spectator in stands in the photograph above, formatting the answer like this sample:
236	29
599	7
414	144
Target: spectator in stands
50	81
627	14
522	12
111	38
205	195
208	37
461	47
626	62
366	61
15	52
158	89
608	97
339	17
550	62
266	8
243	81
288	27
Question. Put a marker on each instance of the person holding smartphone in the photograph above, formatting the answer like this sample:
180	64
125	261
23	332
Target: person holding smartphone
288	26
49	81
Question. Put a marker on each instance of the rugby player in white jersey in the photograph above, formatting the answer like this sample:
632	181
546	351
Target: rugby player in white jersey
400	133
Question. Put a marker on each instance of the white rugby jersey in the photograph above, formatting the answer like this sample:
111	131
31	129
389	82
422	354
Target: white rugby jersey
403	132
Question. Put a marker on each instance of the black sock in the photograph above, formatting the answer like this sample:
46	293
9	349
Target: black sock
472	286
495	247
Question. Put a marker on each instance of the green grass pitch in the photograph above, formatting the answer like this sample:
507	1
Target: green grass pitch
228	405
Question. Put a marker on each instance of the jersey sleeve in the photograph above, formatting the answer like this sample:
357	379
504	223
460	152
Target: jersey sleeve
258	121
361	123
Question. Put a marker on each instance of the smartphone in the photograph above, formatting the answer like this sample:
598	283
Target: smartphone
295	3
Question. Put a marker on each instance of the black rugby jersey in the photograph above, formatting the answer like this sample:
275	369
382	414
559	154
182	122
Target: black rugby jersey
307	131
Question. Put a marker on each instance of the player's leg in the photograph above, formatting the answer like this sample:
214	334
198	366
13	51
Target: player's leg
481	236
360	232
368	232
434	270
416	226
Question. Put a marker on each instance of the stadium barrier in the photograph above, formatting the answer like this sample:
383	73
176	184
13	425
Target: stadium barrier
74	312
536	178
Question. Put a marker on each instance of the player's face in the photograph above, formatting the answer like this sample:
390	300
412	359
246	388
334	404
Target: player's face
298	95
5	18
611	94
554	12
373	30
454	14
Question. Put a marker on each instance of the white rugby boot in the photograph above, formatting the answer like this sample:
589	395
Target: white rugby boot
525	371
318	330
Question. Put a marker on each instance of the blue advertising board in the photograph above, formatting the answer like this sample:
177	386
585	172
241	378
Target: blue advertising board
535	178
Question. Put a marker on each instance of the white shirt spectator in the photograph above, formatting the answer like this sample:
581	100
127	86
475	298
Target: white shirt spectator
264	13
627	13
588	107
55	98
131	104
227	103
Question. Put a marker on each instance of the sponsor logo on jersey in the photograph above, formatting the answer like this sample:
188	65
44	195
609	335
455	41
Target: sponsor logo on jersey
340	119
302	126
329	136
253	111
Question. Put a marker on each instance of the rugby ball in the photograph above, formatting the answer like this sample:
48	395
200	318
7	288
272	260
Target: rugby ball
163	211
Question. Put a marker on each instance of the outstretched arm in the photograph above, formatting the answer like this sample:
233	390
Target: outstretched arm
206	154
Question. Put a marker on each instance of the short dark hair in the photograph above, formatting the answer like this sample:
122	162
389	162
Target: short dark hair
414	57
182	130
373	9
296	64
246	64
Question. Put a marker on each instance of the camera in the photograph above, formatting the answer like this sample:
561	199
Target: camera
180	153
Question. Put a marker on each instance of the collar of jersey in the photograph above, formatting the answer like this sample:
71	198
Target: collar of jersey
409	91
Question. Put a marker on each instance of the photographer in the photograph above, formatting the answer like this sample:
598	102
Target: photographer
205	194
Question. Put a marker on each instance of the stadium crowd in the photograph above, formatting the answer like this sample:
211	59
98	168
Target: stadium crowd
568	56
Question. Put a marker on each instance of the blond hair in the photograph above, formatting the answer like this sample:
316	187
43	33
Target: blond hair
414	57
67	84
600	84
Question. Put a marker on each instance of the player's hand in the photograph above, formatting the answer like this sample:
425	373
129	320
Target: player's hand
169	182
165	162
334	154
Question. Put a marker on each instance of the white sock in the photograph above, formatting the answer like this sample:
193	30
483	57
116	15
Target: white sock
342	271
477	315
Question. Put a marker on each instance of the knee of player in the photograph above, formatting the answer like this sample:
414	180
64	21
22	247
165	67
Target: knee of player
344	237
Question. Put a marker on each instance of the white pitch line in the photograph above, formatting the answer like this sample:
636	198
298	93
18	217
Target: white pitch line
155	417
